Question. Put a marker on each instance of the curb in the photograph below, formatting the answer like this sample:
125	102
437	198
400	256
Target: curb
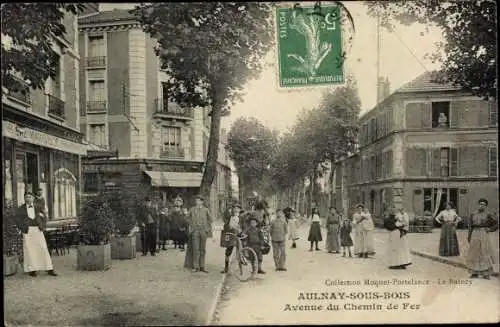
439	259
215	301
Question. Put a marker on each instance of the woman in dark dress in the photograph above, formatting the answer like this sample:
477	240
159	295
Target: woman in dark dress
179	225
164	228
315	230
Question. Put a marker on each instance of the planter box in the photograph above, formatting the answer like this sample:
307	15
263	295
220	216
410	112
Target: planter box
10	265
123	247
94	257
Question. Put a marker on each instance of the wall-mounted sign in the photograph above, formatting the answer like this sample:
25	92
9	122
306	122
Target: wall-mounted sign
29	135
309	42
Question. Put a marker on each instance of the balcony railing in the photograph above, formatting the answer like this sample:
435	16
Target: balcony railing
21	91
56	107
163	107
172	153
95	62
96	106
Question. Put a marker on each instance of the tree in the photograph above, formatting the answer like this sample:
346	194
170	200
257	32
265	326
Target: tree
31	28
209	50
469	28
251	147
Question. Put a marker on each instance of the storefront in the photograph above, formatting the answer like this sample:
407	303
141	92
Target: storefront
33	160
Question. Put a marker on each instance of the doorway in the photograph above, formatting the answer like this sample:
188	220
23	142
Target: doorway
26	170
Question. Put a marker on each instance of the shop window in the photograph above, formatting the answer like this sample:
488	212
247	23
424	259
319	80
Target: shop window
64	194
440	114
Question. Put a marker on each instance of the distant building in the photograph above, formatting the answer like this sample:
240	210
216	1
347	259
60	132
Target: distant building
42	144
126	108
411	156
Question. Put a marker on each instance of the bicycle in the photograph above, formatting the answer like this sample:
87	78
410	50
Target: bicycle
245	258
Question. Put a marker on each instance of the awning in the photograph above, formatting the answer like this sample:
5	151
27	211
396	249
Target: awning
170	179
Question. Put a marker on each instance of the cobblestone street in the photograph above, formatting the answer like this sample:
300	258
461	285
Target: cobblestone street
264	300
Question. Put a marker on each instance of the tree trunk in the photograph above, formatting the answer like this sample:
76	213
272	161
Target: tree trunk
240	189
332	183
213	150
311	194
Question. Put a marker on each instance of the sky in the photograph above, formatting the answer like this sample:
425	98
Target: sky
279	109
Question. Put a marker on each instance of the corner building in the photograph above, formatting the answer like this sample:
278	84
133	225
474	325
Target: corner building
411	156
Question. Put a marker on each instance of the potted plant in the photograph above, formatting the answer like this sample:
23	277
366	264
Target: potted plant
12	241
123	242
96	227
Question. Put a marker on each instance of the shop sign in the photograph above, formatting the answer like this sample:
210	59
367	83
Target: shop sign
29	135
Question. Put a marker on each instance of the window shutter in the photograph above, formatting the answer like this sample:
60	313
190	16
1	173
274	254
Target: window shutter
453	161
493	161
415	159
436	162
493	116
390	164
454	114
389	121
426	116
383	164
413	115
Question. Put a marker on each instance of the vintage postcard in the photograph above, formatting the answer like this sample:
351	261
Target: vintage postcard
250	163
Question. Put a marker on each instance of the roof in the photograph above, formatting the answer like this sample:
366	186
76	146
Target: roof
426	83
116	15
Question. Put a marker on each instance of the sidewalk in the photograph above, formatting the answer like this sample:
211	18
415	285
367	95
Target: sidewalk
146	291
427	245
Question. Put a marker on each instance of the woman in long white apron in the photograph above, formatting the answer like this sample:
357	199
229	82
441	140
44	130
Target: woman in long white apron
399	256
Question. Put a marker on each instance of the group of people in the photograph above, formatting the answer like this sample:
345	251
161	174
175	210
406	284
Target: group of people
480	256
159	224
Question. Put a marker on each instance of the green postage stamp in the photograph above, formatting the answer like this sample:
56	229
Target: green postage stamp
309	46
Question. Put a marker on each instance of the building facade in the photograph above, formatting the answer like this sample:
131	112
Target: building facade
161	147
420	147
42	144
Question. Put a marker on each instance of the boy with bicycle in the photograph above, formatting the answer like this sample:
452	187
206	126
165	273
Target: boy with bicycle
255	240
233	226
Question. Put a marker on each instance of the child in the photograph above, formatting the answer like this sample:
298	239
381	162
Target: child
234	227
278	236
293	225
345	235
315	230
255	240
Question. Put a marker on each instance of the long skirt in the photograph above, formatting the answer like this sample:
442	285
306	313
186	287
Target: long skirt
35	251
315	232
398	253
332	237
480	257
448	243
345	237
164	231
364	242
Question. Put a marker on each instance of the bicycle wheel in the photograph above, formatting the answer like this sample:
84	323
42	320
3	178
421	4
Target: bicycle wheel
244	264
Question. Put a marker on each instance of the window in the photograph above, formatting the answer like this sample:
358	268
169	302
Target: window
64	194
91	183
170	137
97	135
55	81
493	114
493	159
96	91
444	155
440	114
96	46
373	130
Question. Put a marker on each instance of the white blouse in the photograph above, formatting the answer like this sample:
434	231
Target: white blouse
315	218
448	216
31	212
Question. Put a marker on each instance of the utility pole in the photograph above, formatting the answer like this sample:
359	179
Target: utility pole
378	59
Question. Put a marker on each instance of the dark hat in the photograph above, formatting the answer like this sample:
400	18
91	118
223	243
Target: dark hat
252	217
199	196
242	212
483	200
29	193
288	209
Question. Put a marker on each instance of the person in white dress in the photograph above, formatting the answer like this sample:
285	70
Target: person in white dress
31	221
399	256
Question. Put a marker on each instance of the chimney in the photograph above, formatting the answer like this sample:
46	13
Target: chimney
383	88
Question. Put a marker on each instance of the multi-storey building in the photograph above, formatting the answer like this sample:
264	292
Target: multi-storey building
125	108
421	146
41	140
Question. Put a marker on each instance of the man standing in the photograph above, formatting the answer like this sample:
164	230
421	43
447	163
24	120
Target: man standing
200	226
278	236
31	221
147	220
